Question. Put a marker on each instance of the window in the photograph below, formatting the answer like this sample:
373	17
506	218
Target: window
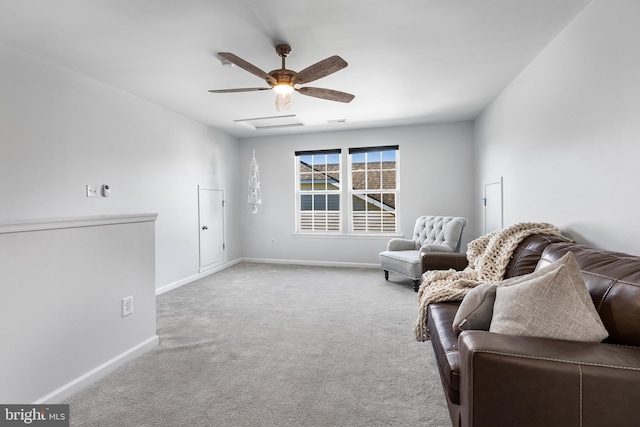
374	182
318	190
371	196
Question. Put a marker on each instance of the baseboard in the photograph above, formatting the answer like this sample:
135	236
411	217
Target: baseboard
96	374
187	280
312	263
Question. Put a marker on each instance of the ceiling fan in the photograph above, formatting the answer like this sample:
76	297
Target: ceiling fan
284	81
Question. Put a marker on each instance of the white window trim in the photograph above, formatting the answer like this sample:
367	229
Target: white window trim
299	193
351	192
346	201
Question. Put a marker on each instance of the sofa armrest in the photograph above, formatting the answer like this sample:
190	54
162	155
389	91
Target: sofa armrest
443	261
399	244
512	380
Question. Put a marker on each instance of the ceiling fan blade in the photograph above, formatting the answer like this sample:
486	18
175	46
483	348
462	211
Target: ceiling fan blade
319	70
331	95
245	89
247	66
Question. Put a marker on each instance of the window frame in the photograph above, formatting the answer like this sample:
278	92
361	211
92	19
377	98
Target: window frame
314	193
345	193
352	192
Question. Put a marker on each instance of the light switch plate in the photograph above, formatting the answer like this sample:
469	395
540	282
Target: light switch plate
92	190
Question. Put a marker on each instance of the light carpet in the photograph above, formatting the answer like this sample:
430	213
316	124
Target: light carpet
277	345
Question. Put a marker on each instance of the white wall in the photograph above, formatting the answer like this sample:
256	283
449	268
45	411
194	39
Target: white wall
60	131
60	309
564	135
436	177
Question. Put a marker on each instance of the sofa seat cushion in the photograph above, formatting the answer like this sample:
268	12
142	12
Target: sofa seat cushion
445	346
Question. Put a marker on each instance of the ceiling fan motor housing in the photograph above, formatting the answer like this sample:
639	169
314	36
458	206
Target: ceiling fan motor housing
282	76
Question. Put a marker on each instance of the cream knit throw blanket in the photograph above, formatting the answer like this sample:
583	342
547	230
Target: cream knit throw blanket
488	258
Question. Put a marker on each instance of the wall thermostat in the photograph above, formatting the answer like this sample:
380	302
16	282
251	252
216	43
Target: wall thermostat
106	190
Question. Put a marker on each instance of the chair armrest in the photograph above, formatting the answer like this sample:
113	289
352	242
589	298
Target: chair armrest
435	248
443	261
398	244
523	381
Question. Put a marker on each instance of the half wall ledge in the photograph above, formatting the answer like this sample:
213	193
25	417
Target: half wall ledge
39	224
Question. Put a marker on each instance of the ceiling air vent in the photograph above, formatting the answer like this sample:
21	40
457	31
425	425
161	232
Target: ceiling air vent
272	122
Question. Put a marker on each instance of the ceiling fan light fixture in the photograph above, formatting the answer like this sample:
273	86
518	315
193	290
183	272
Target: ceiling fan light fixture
283	88
283	97
283	101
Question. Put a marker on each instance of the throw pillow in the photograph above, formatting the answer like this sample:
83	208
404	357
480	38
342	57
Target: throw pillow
476	308
555	305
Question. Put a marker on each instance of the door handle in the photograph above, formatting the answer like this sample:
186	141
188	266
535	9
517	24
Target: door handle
204	227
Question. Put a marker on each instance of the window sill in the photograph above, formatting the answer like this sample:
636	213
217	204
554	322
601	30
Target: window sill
362	236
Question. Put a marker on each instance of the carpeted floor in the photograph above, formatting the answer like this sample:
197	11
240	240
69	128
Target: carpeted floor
277	345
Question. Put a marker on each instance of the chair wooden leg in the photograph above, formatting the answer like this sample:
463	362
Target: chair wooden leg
386	275
416	285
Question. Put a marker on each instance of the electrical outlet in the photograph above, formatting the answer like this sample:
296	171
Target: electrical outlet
127	306
92	191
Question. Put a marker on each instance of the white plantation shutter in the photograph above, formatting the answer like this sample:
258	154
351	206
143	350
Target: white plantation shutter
319	221
380	222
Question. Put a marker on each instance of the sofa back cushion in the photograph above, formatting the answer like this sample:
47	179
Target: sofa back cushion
613	280
527	254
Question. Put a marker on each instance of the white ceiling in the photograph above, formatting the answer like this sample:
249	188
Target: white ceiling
410	61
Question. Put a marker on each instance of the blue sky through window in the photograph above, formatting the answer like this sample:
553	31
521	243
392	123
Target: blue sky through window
334	159
374	156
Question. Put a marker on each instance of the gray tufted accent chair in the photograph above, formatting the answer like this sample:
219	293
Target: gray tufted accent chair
430	234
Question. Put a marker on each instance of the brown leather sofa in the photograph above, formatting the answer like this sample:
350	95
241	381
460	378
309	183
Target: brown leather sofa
494	380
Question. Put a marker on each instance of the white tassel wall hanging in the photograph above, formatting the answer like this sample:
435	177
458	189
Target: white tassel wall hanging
255	198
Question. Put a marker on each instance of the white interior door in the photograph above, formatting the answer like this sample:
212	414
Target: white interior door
492	205
211	223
